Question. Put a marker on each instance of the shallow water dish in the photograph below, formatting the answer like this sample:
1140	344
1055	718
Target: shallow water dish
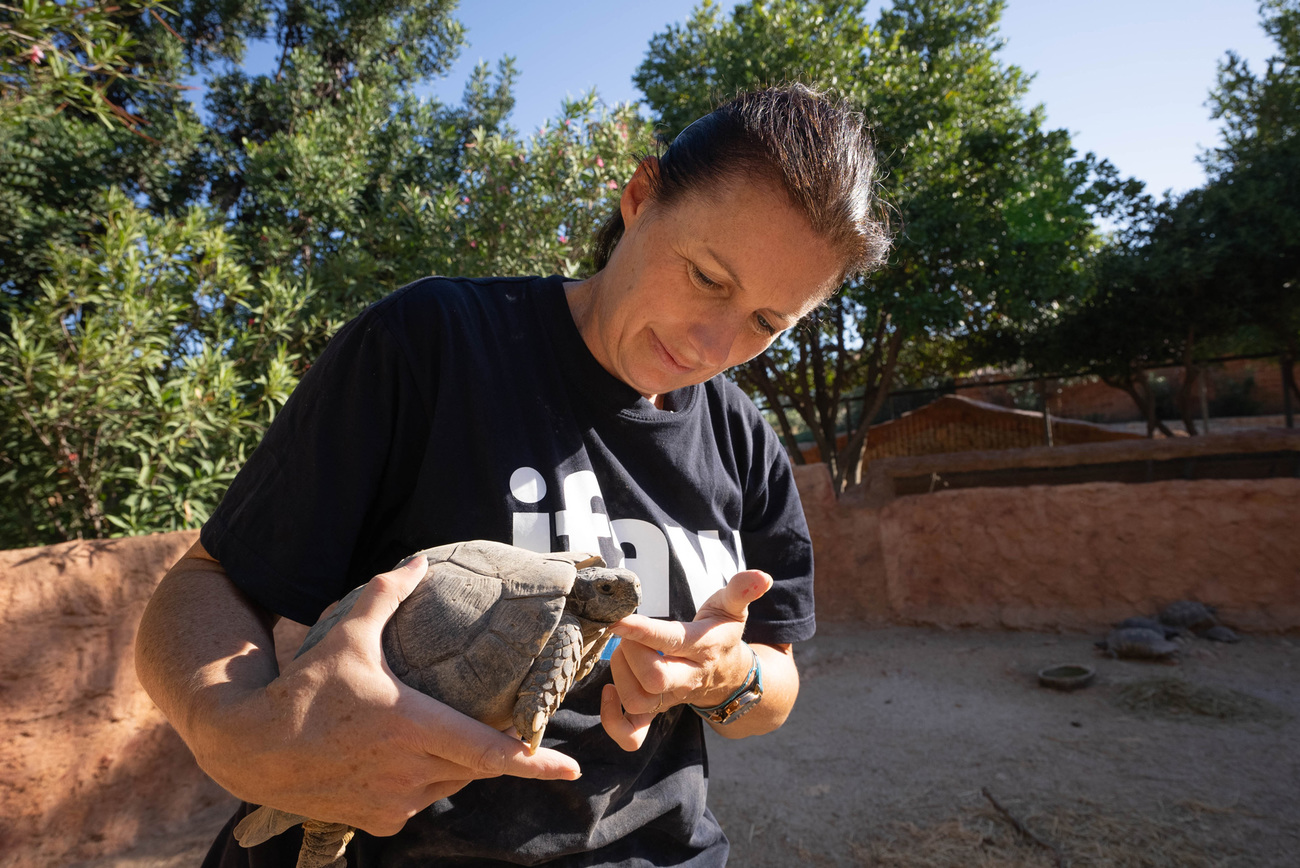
1066	676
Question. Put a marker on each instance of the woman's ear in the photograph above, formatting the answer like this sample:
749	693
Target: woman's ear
638	192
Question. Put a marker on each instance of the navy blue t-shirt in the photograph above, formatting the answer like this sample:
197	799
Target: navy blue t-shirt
460	409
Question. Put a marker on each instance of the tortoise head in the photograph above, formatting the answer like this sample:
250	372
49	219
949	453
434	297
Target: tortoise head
604	594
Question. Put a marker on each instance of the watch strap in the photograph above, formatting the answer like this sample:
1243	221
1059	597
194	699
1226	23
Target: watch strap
740	702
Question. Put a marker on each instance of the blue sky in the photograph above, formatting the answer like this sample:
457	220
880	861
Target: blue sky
1127	78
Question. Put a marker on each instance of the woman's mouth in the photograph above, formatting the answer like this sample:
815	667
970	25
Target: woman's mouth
668	359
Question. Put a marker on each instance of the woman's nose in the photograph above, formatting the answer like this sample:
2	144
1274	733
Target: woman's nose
713	339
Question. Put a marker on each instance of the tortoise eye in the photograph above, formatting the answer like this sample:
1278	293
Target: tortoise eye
607	588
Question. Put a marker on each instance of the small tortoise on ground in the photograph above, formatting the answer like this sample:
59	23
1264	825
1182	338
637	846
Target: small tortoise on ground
1150	624
496	632
1138	643
1188	615
1219	633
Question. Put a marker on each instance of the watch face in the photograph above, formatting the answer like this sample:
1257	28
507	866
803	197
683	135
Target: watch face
738	706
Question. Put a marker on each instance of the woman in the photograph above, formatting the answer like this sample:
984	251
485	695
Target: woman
554	415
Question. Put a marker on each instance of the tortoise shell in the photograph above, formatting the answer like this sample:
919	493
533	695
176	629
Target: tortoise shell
471	630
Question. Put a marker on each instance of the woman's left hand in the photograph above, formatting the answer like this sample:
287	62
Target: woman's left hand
659	664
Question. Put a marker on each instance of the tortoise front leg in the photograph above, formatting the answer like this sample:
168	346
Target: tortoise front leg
548	682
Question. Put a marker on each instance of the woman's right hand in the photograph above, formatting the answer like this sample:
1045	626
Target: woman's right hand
335	736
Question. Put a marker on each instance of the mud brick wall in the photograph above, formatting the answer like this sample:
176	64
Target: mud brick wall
958	424
1075	557
87	762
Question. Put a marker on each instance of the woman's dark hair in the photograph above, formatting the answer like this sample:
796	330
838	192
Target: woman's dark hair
815	148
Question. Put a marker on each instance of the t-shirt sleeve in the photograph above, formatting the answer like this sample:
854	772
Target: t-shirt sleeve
294	527
775	535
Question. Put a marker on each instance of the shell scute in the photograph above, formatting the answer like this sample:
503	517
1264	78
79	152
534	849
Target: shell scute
520	574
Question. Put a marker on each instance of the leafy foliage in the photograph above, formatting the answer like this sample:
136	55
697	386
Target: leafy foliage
92	100
73	54
137	382
1251	206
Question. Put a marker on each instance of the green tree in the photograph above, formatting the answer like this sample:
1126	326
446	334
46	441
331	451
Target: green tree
1251	206
1123	328
164	286
92	101
994	211
330	167
135	384
1214	269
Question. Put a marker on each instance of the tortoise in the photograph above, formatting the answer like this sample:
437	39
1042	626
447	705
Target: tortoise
1188	615
1138	643
1219	633
496	632
1150	624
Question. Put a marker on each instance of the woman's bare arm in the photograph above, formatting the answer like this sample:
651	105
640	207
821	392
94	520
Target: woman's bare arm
335	736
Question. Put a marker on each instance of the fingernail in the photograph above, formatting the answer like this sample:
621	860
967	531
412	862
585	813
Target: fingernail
406	562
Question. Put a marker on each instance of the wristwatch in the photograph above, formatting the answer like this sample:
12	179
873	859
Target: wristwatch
741	702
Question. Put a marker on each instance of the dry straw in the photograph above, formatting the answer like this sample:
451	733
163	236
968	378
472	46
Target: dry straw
1177	698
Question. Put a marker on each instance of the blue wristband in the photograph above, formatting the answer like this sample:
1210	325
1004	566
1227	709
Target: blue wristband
739	702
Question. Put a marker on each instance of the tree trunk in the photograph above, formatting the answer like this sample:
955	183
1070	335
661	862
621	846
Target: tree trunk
1287	363
787	434
755	373
1191	373
1145	400
850	458
1047	413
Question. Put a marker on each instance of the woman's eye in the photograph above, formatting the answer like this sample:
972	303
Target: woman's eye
701	278
764	326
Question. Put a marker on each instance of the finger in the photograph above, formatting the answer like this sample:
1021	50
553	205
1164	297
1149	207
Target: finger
483	752
627	730
668	637
659	674
386	591
731	602
634	695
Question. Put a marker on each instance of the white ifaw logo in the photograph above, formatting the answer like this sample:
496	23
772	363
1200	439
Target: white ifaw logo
645	546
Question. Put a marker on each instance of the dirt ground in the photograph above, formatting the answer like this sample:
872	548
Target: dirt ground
899	732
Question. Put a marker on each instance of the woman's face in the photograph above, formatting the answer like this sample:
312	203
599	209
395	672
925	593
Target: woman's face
702	285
